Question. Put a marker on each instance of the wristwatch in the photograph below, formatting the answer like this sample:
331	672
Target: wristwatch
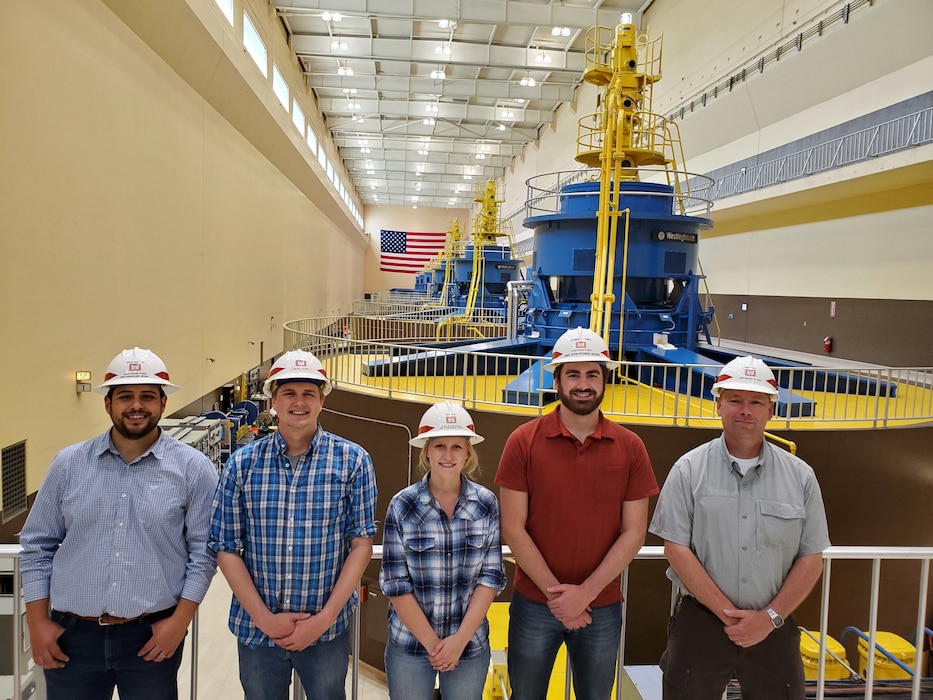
776	619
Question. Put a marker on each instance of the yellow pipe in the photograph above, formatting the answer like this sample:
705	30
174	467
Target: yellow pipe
789	444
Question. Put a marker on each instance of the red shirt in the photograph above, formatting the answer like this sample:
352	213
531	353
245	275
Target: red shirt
575	494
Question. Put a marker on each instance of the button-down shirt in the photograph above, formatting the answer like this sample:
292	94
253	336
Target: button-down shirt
105	536
746	531
293	526
441	560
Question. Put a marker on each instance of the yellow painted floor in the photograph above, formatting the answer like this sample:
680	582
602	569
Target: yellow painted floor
636	403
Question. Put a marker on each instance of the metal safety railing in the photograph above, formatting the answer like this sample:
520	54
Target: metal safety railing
881	139
391	356
9	553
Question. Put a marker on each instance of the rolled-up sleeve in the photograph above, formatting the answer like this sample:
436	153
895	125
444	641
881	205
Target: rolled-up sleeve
202	560
227	511
42	535
394	577
363	494
492	574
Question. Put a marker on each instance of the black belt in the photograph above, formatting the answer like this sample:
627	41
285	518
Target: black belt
697	603
105	619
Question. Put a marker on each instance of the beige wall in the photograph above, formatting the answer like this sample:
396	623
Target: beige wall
404	219
138	208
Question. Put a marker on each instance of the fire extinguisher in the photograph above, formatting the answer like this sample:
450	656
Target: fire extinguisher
828	344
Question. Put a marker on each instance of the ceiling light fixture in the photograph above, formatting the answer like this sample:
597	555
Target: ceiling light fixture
500	127
480	156
560	31
447	24
438	75
431	107
356	118
332	16
344	70
542	57
366	150
507	114
442	50
337	45
527	81
429	121
349	91
422	152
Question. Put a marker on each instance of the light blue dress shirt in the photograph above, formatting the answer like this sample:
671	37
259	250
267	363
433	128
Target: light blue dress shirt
104	536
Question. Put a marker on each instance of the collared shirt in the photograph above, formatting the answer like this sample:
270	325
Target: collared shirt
104	536
441	560
576	495
293	527
746	531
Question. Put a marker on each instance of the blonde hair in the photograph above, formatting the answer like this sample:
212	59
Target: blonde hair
470	468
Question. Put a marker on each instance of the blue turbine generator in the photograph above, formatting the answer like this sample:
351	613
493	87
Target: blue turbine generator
615	249
476	275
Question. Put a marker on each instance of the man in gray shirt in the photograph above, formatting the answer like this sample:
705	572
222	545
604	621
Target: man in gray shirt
743	526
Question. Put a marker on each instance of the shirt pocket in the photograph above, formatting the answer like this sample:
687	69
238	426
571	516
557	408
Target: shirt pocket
780	524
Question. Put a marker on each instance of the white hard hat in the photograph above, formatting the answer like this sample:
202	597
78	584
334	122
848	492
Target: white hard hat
136	366
445	419
297	365
746	374
580	345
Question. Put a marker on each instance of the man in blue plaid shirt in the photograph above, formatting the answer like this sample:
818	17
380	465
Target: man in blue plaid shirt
294	518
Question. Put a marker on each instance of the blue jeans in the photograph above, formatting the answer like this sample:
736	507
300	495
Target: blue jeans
411	677
104	657
266	672
535	636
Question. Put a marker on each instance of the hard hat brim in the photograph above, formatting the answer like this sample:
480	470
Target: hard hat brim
610	364
738	384
104	388
422	440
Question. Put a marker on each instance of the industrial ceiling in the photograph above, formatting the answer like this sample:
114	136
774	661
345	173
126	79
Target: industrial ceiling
425	98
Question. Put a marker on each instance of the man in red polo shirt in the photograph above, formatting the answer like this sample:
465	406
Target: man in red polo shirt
574	491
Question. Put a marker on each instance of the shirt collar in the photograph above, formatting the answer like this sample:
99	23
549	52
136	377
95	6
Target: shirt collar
554	426
468	493
156	449
281	446
764	456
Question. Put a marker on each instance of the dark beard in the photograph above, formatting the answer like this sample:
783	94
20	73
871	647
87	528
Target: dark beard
139	434
581	407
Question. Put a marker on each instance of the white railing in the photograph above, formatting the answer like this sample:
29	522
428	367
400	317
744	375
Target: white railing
9	553
391	356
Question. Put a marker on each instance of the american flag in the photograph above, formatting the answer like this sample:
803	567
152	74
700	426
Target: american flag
407	251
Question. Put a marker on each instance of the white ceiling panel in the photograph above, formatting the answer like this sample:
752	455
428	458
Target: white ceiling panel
403	61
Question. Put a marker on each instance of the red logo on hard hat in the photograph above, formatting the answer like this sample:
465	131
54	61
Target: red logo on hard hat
751	372
135	366
580	344
451	418
301	363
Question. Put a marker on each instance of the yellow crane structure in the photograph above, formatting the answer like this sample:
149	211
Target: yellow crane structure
488	227
624	139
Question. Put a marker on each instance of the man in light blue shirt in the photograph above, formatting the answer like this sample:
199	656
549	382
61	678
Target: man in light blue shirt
115	559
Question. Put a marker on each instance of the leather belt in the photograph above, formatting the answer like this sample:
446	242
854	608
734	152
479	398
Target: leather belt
106	619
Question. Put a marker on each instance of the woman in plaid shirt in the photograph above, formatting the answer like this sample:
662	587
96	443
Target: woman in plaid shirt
441	566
